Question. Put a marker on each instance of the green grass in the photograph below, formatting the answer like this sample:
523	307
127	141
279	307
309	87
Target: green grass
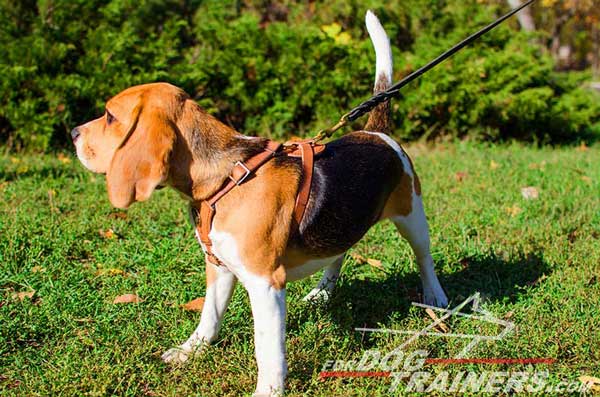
536	262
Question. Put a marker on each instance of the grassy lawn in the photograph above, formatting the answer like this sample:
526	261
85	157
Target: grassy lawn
535	262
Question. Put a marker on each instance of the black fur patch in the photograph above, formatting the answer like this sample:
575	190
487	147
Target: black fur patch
352	181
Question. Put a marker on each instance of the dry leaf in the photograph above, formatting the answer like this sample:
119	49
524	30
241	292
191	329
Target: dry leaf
63	159
461	176
38	269
127	298
375	263
23	295
586	179
109	272
514	210
494	165
441	326
590	381
530	193
194	305
15	160
358	258
582	148
536	166
3	185
108	233
118	215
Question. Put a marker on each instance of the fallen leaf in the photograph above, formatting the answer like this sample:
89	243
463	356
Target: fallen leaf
584	178
509	315
38	269
514	210
127	298
460	176
358	258
3	185
194	305
15	160
494	165
441	326
109	272
63	158
530	193
375	263
23	295
536	166
582	148
591	382
108	233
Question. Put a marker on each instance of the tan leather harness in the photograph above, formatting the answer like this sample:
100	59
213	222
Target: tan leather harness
206	209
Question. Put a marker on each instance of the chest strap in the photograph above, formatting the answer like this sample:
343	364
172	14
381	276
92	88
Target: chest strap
242	171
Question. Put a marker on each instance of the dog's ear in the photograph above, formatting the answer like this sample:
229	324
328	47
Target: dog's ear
141	162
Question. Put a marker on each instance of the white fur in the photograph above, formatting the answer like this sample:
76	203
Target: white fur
324	289
381	43
268	310
216	301
415	229
310	267
80	156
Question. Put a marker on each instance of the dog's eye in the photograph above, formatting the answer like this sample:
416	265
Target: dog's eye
109	118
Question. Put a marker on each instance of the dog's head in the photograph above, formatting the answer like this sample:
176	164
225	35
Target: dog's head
132	142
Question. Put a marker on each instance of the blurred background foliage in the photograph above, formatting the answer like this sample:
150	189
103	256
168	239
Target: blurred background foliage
283	68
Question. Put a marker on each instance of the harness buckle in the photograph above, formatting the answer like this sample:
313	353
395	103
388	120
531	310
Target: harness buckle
247	173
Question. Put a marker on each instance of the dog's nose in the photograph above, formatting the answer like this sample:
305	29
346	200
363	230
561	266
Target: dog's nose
75	133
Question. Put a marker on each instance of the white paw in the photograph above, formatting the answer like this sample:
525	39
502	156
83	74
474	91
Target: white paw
176	356
271	393
317	295
435	298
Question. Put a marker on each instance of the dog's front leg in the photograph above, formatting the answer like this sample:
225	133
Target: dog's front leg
220	284
269	310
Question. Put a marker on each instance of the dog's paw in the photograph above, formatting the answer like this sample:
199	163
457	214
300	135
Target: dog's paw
271	393
317	295
435	298
176	356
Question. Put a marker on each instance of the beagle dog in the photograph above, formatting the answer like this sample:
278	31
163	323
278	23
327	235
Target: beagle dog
154	135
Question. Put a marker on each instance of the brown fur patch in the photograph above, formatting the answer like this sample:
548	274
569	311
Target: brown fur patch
380	117
400	201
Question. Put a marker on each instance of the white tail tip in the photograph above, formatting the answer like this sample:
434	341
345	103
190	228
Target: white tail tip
381	43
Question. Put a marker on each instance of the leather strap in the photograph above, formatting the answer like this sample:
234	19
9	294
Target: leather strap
307	151
242	171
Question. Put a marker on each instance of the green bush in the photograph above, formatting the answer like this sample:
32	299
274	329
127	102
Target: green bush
278	69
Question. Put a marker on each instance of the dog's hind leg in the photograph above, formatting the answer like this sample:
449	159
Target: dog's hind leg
220	285
414	228
323	290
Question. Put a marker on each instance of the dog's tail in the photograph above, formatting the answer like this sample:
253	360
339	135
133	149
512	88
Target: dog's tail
380	117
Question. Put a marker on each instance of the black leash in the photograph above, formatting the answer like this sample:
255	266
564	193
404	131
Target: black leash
393	91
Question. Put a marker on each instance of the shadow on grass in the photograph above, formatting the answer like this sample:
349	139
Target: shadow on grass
373	301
